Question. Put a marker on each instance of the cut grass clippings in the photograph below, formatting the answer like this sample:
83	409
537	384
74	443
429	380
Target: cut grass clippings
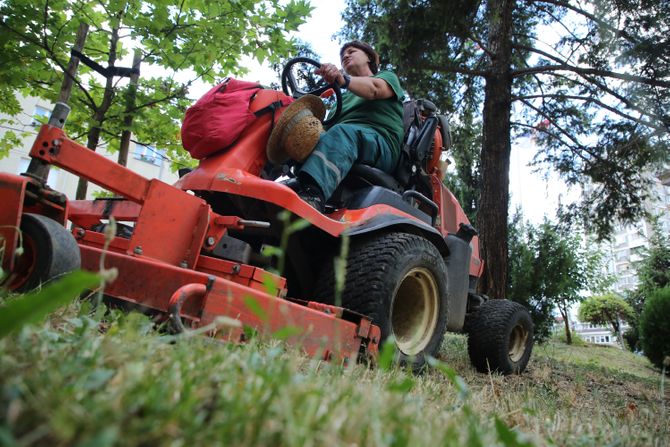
69	382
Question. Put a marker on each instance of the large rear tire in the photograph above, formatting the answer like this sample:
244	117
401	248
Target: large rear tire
399	281
49	251
500	337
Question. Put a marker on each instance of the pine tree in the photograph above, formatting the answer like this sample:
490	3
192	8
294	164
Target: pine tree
596	97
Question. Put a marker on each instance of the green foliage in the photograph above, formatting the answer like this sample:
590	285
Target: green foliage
465	180
631	336
654	269
653	272
8	140
594	97
575	339
180	44
102	194
33	307
549	266
608	309
525	277
655	326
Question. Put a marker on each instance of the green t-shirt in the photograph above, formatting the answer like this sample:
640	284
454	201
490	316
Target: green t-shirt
383	115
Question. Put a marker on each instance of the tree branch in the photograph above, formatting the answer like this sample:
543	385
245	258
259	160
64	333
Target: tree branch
592	71
574	149
481	45
594	101
460	70
597	20
568	136
53	58
582	71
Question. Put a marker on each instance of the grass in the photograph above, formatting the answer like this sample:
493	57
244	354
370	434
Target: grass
78	380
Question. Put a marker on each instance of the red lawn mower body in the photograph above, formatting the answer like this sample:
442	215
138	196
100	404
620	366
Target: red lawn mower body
198	250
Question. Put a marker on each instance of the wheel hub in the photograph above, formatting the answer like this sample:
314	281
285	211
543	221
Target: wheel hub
415	311
517	342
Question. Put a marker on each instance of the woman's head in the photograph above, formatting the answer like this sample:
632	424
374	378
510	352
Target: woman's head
369	52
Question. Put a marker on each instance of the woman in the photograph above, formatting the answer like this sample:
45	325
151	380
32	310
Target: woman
369	129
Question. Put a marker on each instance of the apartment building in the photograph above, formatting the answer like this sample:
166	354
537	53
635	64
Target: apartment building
629	242
599	335
147	161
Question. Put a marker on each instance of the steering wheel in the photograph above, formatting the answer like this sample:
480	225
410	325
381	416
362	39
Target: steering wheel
289	86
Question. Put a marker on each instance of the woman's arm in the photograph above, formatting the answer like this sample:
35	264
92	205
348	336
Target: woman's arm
364	86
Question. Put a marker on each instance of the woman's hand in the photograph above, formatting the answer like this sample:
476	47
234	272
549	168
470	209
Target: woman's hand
331	74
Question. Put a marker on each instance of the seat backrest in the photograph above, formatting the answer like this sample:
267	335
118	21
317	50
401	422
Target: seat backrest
421	122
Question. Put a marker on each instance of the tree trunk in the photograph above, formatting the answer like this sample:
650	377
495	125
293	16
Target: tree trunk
71	71
616	324
38	168
496	148
565	314
101	111
130	106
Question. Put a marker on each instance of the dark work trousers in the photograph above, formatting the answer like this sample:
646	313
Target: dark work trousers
342	146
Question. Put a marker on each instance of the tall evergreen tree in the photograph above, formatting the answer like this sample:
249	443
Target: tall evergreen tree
653	273
591	81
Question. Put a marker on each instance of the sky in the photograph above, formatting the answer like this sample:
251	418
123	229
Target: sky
318	30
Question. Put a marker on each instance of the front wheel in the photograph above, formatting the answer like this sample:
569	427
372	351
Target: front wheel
399	281
500	337
49	251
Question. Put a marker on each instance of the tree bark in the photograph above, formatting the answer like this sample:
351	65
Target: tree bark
496	148
130	106
101	111
38	168
71	71
565	314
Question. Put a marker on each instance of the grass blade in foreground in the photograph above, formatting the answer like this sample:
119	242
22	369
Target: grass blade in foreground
34	306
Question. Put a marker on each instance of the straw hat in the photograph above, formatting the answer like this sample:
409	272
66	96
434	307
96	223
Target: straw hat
297	131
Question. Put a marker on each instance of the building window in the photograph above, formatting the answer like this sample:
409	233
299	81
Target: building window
40	116
149	154
623	255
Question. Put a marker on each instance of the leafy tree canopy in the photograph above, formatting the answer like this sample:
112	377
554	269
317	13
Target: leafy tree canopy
591	81
608	309
183	41
549	268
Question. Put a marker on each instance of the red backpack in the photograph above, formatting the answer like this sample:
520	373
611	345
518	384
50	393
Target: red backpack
215	121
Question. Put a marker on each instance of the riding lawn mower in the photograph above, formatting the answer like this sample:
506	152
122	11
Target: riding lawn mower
393	257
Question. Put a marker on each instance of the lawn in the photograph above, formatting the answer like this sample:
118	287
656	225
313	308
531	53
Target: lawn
79	379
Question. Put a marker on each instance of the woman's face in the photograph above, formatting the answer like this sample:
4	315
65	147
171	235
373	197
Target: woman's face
355	61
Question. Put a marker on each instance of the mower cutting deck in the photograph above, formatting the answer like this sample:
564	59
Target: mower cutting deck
164	265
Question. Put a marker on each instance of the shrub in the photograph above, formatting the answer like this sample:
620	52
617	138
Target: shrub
655	326
576	339
632	338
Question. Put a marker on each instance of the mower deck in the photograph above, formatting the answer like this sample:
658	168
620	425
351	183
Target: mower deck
167	264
